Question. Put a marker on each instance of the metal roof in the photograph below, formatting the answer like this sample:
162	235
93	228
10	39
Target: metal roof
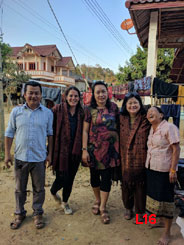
170	24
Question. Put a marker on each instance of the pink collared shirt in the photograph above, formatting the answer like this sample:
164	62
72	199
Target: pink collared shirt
159	154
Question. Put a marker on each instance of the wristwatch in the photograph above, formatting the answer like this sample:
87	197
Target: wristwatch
84	149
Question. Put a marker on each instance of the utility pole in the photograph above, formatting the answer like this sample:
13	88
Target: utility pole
1	101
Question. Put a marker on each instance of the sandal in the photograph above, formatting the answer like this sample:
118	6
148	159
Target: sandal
128	214
95	208
105	217
17	221
38	221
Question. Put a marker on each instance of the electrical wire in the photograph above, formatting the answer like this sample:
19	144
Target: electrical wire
81	48
87	85
106	22
97	5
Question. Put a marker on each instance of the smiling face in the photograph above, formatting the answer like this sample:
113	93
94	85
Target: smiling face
73	98
101	95
33	96
133	106
154	116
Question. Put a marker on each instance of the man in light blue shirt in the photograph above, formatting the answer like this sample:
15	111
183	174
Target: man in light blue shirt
31	124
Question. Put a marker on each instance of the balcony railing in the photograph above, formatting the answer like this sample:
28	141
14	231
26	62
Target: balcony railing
64	79
52	77
41	74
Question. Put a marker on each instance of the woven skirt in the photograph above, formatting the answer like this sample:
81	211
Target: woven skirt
160	194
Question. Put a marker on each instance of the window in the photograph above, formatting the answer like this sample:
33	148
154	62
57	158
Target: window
52	68
44	66
70	73
65	73
20	66
29	50
31	66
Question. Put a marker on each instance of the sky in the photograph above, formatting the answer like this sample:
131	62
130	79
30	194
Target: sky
33	22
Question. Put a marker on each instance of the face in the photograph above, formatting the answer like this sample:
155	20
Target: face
33	96
133	106
154	116
100	94
72	98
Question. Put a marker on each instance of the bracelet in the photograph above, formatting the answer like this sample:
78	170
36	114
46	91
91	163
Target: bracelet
172	171
84	149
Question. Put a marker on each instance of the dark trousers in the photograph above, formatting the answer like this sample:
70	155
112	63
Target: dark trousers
101	178
134	195
37	172
65	181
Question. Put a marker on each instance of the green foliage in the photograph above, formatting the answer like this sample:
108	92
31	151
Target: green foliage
12	76
135	68
5	52
97	73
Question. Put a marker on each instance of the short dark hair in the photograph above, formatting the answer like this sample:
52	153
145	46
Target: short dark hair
160	111
129	96
33	84
93	101
76	89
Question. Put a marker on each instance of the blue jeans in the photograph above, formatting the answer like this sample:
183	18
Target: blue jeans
37	172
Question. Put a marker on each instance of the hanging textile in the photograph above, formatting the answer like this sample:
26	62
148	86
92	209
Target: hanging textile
87	98
180	100
162	89
143	86
172	111
120	91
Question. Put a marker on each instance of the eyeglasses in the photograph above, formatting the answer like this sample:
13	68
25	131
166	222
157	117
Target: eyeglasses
131	94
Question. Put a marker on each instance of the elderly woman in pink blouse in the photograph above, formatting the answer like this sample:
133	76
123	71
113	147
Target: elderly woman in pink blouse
161	163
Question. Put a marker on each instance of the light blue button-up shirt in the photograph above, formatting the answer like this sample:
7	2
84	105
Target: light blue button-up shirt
31	128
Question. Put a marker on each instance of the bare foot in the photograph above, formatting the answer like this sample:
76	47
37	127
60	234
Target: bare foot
164	240
158	224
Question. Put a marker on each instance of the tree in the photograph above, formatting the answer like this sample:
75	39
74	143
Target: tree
135	68
97	73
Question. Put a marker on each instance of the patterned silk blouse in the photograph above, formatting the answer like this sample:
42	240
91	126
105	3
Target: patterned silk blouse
103	140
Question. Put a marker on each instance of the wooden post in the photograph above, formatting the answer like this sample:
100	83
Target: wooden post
1	104
152	47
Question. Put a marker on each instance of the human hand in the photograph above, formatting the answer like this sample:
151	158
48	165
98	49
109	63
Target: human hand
172	177
85	158
7	160
48	161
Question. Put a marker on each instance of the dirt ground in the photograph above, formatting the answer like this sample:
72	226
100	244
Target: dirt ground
81	228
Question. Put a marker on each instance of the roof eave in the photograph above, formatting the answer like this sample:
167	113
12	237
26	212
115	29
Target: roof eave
141	6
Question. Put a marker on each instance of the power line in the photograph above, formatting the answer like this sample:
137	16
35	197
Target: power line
100	16
111	24
67	43
32	12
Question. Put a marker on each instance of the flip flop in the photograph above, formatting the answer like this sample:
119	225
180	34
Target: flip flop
16	223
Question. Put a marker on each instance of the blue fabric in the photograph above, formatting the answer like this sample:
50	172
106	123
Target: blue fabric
172	111
31	128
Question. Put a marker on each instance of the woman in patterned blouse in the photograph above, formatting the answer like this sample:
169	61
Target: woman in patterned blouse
100	146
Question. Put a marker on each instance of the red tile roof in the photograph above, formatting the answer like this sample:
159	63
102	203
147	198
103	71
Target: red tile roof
64	61
42	50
